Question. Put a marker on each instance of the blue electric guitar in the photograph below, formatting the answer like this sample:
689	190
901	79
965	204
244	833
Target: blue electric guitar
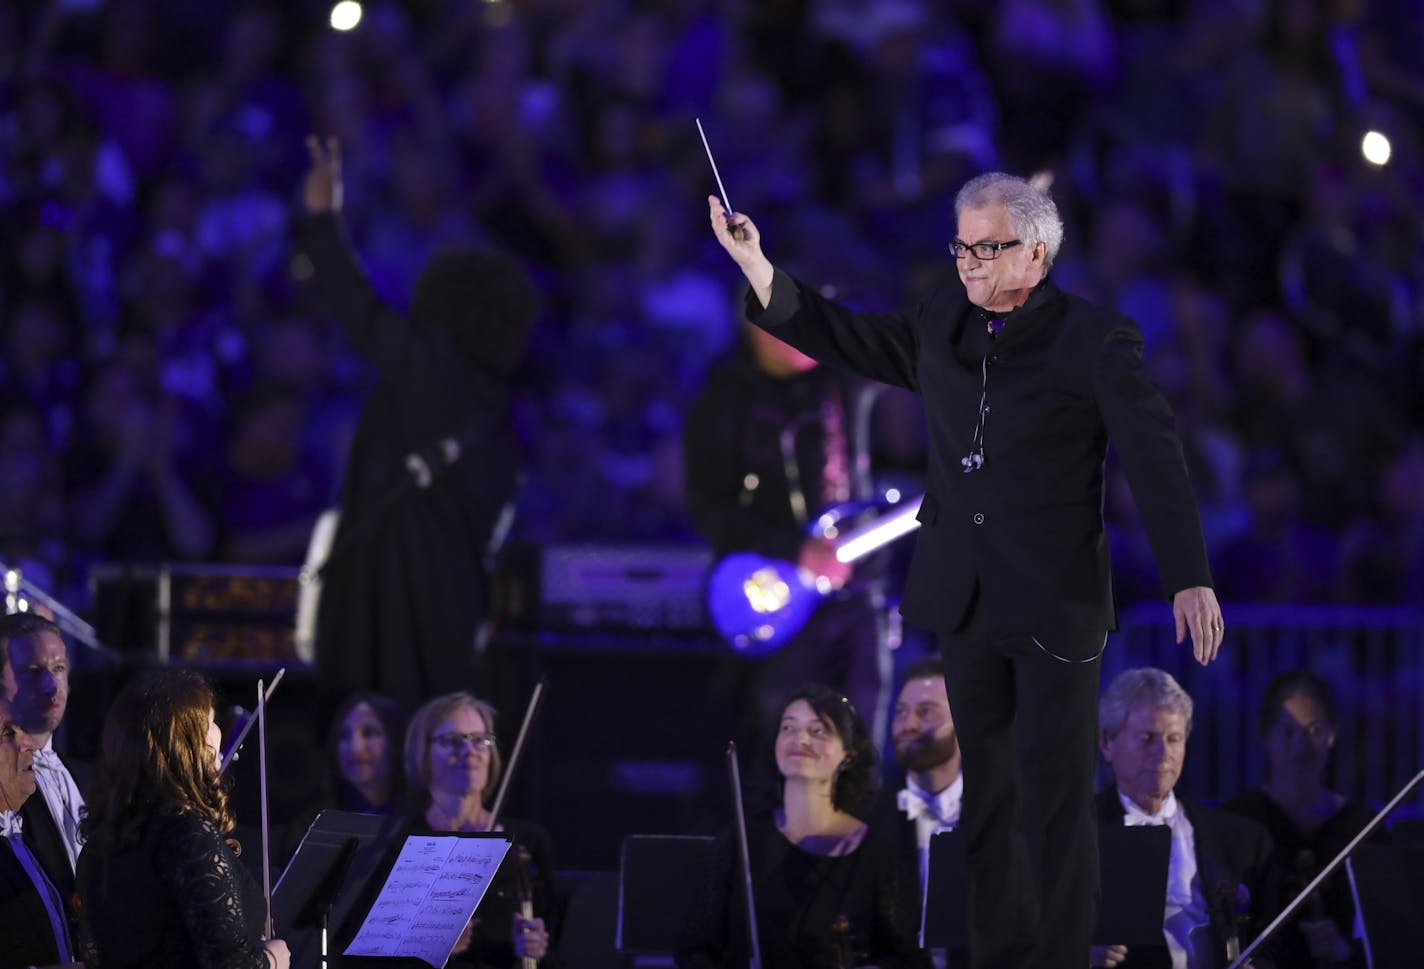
757	603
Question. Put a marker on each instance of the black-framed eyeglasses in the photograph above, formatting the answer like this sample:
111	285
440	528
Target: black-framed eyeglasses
453	743
983	251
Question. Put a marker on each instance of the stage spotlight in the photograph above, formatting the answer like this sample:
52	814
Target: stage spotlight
1375	147
346	15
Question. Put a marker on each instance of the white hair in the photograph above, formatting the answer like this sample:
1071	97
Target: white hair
1031	210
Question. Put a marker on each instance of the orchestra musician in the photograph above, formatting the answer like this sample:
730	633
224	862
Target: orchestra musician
160	883
823	880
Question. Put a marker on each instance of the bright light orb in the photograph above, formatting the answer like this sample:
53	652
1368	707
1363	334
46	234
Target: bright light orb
345	15
1375	147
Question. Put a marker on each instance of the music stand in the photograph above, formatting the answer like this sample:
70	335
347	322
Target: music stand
1387	882
330	872
1133	864
655	891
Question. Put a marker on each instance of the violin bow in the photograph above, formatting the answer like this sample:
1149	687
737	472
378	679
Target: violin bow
745	855
535	700
266	827
231	754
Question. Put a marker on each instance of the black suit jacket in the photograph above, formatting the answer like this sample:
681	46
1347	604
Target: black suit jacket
1230	850
41	833
25	939
1063	378
895	826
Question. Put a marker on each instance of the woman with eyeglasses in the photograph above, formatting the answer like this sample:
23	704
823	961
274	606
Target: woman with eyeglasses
453	765
829	891
1309	822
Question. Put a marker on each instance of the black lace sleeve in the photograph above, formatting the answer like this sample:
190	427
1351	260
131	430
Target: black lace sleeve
195	861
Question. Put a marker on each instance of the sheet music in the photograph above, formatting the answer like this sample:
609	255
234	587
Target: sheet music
430	894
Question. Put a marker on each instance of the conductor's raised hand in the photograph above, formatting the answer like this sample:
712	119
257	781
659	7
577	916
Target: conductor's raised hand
739	236
321	192
1198	614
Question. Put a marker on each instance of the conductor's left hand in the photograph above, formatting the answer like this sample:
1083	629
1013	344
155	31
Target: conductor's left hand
1199	614
531	939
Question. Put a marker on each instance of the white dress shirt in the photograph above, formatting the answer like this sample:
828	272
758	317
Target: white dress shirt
61	796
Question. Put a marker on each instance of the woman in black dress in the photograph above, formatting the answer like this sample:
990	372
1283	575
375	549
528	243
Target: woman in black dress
829	890
159	881
1309	823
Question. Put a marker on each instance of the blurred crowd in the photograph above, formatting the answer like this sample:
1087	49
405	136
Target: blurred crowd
171	391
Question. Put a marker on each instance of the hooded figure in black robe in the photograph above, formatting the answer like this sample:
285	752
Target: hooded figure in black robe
433	469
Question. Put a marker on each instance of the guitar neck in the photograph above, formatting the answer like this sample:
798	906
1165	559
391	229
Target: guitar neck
860	542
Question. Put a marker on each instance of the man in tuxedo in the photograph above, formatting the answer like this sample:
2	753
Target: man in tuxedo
1219	864
33	927
1011	567
36	682
925	745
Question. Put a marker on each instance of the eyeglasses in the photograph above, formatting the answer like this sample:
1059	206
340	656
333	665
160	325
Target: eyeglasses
983	251
453	743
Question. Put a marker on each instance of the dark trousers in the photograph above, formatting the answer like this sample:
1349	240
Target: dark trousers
1025	712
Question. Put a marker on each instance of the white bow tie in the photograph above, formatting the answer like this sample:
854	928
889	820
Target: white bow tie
916	804
10	824
1135	816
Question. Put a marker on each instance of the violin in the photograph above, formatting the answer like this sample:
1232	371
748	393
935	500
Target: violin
840	929
1233	911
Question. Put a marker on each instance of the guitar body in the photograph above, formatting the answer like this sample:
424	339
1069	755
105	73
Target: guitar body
758	603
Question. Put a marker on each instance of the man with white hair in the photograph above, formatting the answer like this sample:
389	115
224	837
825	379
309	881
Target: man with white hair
1219	864
1011	563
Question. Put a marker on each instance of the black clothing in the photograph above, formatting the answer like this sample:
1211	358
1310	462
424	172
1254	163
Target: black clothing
756	452
46	843
1032	846
1024	532
1011	565
26	938
1297	858
798	898
178	898
1231	851
894	825
406	587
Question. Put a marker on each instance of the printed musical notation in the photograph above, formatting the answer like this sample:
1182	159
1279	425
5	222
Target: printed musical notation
431	892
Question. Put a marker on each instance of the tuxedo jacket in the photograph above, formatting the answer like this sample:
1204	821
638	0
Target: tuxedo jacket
1062	379
1230	850
895	826
25	937
42	834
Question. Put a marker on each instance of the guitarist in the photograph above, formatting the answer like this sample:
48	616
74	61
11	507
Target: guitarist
768	445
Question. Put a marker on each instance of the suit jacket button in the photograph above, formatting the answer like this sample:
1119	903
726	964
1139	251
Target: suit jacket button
978	519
